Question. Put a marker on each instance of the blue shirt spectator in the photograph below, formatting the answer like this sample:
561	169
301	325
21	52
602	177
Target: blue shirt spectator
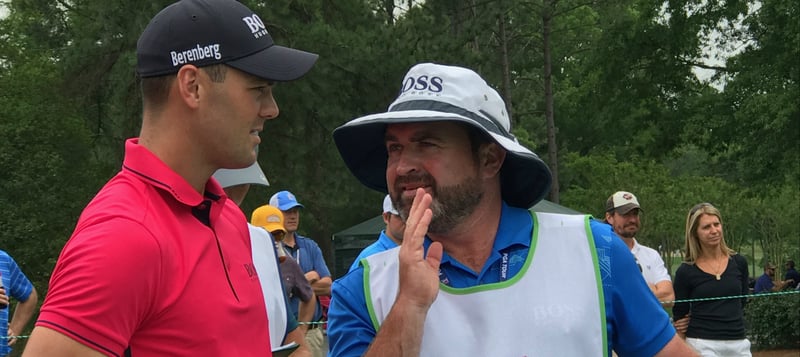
383	243
19	287
764	283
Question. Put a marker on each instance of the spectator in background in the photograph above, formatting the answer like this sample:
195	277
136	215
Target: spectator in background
766	282
792	276
294	281
622	213
389	238
159	263
711	270
283	328
14	284
305	252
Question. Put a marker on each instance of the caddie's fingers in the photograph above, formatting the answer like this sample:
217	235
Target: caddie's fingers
421	227
420	204
434	257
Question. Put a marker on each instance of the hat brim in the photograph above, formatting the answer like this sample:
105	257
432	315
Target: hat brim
525	177
252	175
272	227
288	206
276	63
624	209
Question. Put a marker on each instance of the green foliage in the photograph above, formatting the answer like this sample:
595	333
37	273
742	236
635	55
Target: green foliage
629	112
773	322
45	166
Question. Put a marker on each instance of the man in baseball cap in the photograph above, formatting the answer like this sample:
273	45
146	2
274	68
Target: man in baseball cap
136	275
208	32
622	213
283	326
307	253
445	153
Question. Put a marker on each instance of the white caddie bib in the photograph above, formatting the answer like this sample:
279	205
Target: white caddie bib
269	276
553	307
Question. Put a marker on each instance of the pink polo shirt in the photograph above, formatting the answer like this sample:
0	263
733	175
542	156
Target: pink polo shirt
158	268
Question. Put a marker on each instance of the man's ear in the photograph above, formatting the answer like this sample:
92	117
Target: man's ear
491	156
188	82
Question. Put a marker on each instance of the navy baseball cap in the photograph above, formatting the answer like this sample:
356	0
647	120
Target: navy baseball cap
284	200
208	32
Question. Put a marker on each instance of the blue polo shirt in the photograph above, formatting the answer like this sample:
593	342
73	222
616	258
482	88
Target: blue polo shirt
383	243
17	286
306	252
637	325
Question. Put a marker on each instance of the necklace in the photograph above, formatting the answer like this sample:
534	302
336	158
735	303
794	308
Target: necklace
718	271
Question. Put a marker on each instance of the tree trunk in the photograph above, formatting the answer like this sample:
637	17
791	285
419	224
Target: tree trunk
504	61
552	146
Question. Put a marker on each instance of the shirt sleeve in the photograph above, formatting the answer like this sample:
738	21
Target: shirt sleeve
682	287
350	329
291	321
20	287
659	268
319	262
103	285
638	325
741	262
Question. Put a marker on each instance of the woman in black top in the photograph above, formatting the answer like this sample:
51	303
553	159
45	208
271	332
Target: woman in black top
711	270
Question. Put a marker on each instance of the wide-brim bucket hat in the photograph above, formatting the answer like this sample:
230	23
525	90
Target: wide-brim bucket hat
434	92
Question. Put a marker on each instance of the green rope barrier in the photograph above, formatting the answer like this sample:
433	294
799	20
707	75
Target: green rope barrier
11	337
794	292
312	323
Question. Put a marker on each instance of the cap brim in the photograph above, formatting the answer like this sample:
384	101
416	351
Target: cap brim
624	209
272	227
289	206
525	177
276	63
252	175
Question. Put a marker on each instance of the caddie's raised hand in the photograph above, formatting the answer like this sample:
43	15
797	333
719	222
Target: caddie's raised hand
419	275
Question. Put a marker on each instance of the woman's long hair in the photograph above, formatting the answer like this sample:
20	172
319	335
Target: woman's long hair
692	248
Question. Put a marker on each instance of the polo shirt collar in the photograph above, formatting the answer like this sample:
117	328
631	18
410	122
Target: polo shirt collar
515	228
148	167
386	242
636	246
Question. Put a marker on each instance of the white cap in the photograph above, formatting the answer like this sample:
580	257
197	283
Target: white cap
622	202
249	175
388	206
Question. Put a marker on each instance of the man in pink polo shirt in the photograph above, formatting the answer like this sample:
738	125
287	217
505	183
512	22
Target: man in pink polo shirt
159	263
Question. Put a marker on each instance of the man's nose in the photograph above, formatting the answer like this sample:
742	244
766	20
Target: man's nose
269	108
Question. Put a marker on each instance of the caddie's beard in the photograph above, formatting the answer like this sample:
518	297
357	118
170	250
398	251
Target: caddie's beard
451	204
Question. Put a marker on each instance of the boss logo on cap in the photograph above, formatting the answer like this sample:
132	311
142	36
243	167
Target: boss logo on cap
422	84
256	26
